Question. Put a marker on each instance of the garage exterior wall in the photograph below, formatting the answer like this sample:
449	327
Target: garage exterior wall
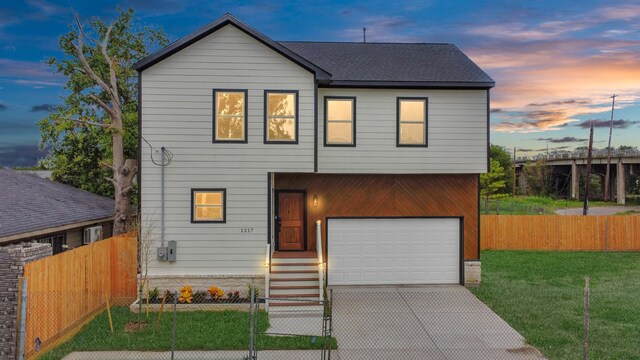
394	195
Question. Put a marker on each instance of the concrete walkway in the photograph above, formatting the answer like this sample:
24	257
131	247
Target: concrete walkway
427	322
598	210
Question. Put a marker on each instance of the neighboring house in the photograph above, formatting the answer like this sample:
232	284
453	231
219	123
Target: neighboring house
382	143
37	209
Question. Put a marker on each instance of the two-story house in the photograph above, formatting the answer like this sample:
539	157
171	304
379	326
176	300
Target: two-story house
372	149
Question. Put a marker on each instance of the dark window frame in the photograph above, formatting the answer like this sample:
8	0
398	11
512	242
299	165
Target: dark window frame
224	205
296	119
50	239
326	120
426	121
246	116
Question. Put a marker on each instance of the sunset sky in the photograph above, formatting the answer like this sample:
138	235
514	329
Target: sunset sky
555	63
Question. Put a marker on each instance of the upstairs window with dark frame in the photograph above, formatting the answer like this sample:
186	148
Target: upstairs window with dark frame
281	116
412	122
208	205
230	116
340	121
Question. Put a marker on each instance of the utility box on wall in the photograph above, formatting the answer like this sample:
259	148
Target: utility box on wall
168	253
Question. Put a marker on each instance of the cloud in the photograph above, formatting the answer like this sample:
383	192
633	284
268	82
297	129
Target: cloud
44	107
496	110
37	83
565	139
21	155
3	107
24	69
564	102
618	124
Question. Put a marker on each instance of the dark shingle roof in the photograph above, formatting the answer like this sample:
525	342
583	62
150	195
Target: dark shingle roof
392	62
357	64
30	203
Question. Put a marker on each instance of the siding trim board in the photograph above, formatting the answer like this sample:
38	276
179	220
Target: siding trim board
353	117
296	119
246	116
426	121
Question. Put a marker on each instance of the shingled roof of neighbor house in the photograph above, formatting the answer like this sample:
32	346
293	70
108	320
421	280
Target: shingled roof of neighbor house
344	64
30	203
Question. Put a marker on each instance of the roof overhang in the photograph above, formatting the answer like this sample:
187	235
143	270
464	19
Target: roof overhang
407	84
51	230
223	21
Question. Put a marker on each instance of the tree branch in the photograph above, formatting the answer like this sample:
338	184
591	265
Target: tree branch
103	105
92	123
115	184
85	65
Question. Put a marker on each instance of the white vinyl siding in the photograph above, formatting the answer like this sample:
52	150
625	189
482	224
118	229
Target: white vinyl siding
177	113
456	131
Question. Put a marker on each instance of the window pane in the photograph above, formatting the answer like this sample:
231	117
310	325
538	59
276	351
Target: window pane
281	129
412	133
208	213
230	128
339	133
211	198
230	103
412	110
281	104
339	109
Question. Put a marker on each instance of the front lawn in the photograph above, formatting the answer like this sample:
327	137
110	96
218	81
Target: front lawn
540	294
198	330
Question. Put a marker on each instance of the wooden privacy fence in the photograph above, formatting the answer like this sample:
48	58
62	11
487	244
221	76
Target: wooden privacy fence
560	232
65	290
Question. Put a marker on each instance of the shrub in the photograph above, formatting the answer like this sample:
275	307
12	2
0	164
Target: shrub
256	291
154	294
200	296
233	295
186	294
215	292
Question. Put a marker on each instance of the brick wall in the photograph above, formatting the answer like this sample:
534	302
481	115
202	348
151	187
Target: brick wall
12	260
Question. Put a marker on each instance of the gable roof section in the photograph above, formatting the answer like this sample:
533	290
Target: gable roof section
393	64
30	203
407	65
225	20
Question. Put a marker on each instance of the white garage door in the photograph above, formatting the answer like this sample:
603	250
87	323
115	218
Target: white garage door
393	251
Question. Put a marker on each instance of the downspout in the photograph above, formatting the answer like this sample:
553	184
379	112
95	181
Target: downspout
162	197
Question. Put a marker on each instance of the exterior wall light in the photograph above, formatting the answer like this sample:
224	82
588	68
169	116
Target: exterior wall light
315	200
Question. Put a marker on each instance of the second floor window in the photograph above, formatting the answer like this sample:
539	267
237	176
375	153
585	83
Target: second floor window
230	116
412	122
340	121
281	116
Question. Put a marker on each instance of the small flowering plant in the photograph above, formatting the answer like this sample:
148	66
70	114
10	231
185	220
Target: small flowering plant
186	294
215	292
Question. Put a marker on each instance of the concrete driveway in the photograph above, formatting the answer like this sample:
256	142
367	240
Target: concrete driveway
426	322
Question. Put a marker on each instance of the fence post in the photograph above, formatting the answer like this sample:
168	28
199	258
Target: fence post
251	322
23	318
585	340
175	320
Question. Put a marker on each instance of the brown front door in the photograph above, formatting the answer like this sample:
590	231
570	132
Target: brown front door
290	221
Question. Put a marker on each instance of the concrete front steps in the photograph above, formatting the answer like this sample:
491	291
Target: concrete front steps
294	278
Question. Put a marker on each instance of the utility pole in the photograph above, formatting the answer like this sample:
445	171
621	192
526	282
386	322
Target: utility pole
513	192
607	174
585	208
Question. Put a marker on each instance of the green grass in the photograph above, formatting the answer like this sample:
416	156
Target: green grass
199	330
540	294
532	205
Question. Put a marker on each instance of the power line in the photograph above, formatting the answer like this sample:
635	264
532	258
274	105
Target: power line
164	160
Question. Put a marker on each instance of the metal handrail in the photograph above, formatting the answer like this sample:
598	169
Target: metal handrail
320	259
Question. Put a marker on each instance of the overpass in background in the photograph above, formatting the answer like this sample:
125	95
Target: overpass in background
567	168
